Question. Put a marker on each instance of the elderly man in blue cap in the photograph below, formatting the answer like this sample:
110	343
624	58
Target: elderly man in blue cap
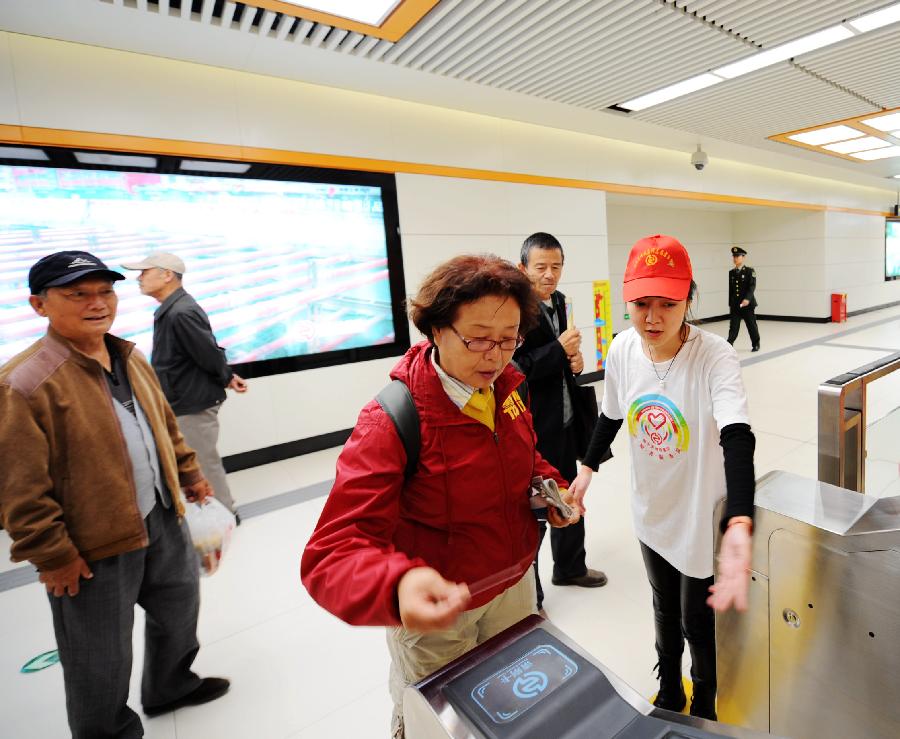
93	464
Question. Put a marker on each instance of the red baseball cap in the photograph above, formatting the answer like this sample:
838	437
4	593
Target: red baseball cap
658	266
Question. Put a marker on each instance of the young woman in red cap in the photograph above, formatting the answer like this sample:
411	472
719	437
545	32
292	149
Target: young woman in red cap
681	391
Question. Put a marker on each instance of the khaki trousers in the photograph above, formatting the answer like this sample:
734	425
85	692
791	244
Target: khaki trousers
201	432
415	655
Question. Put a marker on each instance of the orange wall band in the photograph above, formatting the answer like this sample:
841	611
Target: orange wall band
172	147
401	20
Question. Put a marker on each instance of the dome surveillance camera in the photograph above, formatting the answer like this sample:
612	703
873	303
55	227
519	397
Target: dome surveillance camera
699	159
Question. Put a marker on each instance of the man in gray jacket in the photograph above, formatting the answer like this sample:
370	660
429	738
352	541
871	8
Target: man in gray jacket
191	366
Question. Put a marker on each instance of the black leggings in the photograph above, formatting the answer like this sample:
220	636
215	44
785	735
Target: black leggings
680	610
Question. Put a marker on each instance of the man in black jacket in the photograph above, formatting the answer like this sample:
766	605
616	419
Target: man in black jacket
741	298
190	364
550	358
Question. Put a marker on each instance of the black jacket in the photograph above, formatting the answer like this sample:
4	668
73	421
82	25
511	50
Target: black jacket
191	366
741	286
544	363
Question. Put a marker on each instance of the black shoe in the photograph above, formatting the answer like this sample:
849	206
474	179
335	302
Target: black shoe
671	695
208	690
237	518
590	579
755	348
703	703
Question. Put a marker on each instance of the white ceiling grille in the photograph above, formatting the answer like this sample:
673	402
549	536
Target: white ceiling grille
589	54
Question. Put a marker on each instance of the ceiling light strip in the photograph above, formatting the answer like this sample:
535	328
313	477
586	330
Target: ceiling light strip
877	19
768	57
829	135
401	19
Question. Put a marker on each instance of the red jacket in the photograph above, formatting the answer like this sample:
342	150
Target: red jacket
465	512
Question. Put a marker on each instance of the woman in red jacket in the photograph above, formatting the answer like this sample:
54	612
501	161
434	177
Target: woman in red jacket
442	557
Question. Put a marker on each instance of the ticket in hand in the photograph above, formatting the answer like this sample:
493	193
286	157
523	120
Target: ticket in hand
548	492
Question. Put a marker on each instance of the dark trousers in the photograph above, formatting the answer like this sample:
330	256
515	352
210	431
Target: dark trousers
94	631
748	316
681	613
567	544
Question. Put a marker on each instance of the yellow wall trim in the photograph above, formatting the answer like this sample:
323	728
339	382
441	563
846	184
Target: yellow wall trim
172	147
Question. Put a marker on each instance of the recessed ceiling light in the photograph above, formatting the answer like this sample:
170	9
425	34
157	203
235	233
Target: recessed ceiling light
21	152
864	144
672	91
196	165
886	153
115	160
877	19
370	12
884	122
789	50
827	135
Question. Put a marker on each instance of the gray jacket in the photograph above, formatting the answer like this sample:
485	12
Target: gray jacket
191	366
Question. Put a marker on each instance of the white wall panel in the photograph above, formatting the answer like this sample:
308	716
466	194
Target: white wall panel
9	108
773	225
854	246
69	86
279	114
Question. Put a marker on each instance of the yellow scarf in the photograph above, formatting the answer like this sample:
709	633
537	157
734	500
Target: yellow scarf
481	407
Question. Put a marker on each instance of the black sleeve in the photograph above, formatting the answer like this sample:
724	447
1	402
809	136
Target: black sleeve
197	340
604	433
738	443
751	286
541	361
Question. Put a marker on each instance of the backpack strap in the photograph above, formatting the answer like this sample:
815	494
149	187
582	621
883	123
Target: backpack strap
397	401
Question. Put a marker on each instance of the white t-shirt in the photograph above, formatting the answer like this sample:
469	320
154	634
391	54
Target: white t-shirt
678	469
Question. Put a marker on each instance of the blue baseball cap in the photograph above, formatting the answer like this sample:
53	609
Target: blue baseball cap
63	267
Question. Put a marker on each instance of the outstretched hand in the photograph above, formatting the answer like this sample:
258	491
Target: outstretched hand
579	487
428	602
733	580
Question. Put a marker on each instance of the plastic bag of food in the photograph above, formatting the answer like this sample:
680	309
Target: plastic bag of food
211	524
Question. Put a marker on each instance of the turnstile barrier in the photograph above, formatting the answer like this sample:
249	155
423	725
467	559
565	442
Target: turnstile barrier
817	655
533	682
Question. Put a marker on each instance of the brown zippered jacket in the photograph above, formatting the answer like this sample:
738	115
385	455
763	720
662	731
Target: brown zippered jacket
66	482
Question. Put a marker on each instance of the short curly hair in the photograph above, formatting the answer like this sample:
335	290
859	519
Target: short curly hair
465	279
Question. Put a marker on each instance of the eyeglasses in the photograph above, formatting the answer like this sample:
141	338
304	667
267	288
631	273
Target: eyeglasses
485	345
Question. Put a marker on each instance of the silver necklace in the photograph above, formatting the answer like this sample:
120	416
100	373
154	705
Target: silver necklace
662	380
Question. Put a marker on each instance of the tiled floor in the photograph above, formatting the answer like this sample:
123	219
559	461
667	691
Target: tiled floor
298	672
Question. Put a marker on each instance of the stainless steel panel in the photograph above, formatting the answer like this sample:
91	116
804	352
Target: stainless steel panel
835	640
818	504
743	674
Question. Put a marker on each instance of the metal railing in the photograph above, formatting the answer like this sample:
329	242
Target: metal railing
842	423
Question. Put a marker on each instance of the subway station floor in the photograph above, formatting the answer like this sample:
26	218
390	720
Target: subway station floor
299	673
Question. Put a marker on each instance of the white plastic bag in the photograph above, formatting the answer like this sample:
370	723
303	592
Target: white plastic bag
211	524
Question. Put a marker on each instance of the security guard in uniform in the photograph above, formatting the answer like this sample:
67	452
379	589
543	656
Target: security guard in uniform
741	301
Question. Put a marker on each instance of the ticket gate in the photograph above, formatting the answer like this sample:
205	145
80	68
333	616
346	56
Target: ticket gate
817	654
533	682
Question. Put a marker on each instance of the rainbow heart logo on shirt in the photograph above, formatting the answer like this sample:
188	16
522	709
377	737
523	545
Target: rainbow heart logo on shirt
658	426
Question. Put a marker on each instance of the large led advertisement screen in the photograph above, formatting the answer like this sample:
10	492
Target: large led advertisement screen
293	274
892	249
